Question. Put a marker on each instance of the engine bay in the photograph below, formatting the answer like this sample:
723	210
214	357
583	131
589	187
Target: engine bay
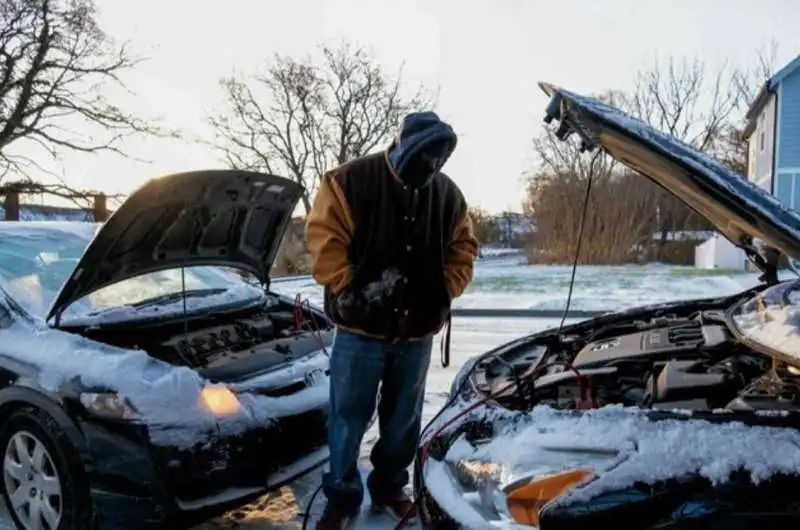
667	362
226	346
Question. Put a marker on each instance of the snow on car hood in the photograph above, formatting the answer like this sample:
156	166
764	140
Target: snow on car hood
737	208
223	218
650	451
167	397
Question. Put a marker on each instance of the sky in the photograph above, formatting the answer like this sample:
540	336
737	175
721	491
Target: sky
484	56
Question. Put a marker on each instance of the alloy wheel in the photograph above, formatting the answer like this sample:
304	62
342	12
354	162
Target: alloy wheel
32	482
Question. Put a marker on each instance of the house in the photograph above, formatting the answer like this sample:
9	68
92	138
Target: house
773	135
772	132
513	228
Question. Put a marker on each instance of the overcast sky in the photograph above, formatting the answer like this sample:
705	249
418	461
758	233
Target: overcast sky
485	55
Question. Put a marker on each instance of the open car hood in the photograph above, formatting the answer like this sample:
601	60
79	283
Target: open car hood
747	215
224	218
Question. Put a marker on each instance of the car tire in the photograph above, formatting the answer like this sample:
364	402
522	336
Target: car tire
51	466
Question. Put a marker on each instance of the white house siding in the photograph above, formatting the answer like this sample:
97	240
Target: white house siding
761	146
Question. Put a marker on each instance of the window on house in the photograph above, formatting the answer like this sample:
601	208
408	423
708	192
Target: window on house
761	141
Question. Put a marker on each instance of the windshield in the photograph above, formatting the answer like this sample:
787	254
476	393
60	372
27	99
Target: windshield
36	259
772	319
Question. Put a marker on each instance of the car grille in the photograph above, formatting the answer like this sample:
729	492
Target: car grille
246	460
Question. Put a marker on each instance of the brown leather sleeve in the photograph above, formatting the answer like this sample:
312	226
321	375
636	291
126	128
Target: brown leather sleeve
328	230
460	257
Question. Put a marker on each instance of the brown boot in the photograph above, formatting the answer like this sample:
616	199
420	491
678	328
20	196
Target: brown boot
335	519
398	506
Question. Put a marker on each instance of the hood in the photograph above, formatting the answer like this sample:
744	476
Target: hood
224	218
419	130
746	214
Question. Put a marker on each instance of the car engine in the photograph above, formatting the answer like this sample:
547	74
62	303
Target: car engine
227	346
669	362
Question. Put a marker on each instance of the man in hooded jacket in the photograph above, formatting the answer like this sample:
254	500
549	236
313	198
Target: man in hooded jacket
392	242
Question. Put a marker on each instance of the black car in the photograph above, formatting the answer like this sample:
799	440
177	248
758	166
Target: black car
680	415
150	377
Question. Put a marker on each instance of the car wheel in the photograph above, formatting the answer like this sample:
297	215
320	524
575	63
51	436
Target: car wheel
44	482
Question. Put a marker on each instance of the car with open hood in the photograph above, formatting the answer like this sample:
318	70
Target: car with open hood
678	415
150	377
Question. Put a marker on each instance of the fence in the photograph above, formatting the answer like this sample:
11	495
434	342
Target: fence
13	210
475	312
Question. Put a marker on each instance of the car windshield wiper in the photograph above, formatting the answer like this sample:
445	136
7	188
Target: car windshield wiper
174	297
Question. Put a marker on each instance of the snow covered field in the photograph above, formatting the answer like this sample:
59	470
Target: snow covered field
499	283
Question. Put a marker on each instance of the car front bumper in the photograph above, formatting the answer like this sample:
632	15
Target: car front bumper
677	504
137	485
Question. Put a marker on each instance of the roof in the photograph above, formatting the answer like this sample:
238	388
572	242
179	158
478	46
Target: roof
762	96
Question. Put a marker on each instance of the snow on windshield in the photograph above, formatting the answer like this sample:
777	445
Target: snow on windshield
772	319
37	258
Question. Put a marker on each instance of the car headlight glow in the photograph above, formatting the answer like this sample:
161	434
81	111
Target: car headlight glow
220	400
518	490
109	405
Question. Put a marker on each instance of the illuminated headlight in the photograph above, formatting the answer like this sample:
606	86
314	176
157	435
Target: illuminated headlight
109	405
219	400
517	493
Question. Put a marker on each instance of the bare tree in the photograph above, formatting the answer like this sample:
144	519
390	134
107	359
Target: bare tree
703	109
748	81
302	117
487	229
54	59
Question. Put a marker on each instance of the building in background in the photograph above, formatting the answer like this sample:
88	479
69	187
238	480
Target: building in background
773	135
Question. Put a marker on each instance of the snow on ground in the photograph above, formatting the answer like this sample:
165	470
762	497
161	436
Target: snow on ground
499	283
504	284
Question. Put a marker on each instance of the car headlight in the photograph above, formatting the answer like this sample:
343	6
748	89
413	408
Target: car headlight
109	405
517	492
220	400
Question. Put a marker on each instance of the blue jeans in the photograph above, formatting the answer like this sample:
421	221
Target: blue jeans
358	366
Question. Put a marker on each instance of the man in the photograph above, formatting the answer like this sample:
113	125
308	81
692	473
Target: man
392	242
